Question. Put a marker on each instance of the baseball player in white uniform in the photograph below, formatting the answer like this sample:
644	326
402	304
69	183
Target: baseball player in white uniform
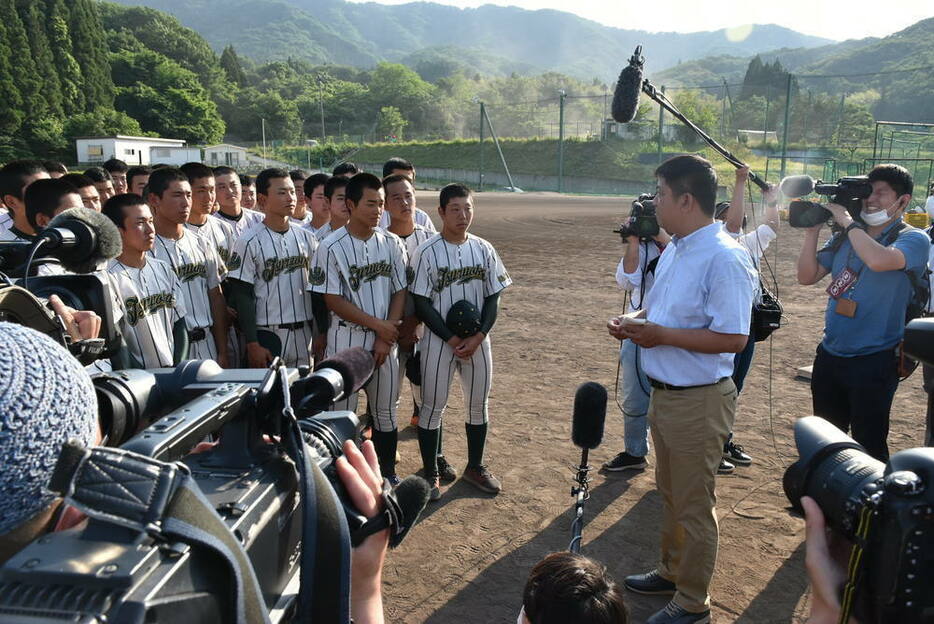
152	302
270	288
194	261
400	203
334	192
203	196
453	266
360	270
229	196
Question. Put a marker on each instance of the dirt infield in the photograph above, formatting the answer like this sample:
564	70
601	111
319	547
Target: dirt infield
467	561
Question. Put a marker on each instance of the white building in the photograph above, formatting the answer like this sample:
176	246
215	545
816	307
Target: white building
135	150
225	154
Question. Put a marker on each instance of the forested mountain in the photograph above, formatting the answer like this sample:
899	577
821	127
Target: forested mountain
335	31
899	67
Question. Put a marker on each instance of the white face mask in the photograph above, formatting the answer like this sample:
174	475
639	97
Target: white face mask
872	219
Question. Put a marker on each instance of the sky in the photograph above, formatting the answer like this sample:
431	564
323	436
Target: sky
831	19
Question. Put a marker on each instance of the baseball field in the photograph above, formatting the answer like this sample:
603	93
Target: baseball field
467	560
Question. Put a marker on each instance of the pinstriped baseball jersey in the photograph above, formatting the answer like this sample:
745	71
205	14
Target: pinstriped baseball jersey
411	243
421	218
277	264
446	273
248	218
152	302
222	235
322	232
6	220
365	273
197	267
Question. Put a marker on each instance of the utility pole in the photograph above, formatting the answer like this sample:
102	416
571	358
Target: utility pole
765	122
482	119
321	104
561	95
787	118
264	142
661	128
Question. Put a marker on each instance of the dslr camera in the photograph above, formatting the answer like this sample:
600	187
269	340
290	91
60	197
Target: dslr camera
887	510
848	192
642	221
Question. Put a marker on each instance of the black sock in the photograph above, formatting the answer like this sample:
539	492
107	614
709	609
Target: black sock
476	440
386	443
427	445
440	439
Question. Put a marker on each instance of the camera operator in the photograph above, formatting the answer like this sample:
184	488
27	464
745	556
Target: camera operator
636	274
733	215
696	318
855	371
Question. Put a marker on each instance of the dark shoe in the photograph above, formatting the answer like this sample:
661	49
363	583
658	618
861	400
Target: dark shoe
435	492
481	478
734	453
445	470
725	467
673	614
625	461
649	583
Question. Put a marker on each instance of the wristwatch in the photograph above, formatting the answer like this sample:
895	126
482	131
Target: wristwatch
856	225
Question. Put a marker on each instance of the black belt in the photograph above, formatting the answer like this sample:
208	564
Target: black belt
663	386
197	334
295	325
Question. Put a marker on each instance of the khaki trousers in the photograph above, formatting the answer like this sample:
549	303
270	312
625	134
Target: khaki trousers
689	428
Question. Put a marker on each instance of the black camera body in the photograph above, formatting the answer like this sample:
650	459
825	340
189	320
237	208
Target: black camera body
105	572
642	221
888	509
848	192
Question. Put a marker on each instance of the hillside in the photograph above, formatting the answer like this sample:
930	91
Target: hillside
334	31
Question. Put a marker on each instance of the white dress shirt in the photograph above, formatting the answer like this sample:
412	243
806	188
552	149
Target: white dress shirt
704	280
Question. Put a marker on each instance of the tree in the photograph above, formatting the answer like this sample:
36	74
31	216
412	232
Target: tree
68	69
391	124
101	122
11	103
251	107
31	13
24	67
699	108
88	49
230	63
165	97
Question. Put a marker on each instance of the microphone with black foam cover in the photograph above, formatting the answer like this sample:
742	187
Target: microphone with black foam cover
797	186
589	415
334	378
628	88
81	239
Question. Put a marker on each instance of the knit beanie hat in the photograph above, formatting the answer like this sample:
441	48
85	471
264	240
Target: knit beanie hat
46	399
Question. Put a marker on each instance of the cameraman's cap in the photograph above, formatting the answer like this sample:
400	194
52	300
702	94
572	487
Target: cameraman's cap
46	399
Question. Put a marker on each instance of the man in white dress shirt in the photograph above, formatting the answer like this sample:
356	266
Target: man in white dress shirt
695	318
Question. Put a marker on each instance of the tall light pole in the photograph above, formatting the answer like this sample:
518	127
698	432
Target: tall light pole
561	95
321	104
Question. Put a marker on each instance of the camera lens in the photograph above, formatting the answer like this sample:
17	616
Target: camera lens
833	470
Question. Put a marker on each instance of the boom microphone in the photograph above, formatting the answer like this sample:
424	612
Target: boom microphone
628	88
589	415
797	186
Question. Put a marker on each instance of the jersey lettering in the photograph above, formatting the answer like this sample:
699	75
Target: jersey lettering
275	266
137	308
369	272
188	272
462	275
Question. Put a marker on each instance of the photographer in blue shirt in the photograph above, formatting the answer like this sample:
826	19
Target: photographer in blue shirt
855	371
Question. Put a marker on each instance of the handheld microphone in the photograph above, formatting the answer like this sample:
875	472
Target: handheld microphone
589	415
334	378
628	88
797	186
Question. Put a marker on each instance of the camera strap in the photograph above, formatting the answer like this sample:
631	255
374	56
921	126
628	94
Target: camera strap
162	500
855	567
323	597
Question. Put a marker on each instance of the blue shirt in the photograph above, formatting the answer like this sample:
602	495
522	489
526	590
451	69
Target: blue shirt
881	297
704	280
